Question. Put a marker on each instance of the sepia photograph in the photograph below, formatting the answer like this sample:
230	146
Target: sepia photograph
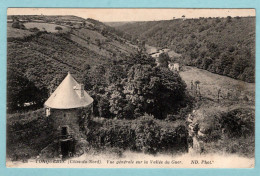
130	88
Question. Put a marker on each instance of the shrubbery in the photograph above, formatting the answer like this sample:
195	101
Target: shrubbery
239	123
231	132
144	134
35	29
58	28
27	134
18	25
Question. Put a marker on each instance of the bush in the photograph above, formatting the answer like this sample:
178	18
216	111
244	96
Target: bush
28	134
58	28
35	29
231	132
147	87
238	122
18	25
163	59
144	134
110	133
147	135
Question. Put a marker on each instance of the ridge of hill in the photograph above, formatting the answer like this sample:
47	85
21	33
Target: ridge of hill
46	18
40	58
118	23
225	46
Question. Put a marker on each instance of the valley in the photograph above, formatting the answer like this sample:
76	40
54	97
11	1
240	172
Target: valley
141	108
220	45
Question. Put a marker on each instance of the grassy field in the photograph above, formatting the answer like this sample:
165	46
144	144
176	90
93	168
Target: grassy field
17	33
231	90
236	103
47	26
150	49
210	83
107	44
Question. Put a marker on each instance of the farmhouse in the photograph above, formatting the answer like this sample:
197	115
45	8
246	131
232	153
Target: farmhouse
68	107
174	67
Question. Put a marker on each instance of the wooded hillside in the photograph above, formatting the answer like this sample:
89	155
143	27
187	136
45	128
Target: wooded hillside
224	46
38	60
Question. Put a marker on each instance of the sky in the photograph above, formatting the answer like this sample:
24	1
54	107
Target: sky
117	15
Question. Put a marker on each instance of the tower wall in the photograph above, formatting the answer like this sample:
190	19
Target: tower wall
70	118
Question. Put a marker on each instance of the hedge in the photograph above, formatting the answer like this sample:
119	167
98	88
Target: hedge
144	134
27	134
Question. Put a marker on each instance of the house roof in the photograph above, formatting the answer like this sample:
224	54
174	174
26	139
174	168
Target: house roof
68	95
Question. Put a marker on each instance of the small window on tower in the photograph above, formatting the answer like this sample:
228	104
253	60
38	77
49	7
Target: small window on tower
48	112
64	131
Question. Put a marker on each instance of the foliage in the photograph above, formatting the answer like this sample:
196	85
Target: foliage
58	28
44	59
143	134
224	46
27	134
106	30
40	59
238	122
37	64
20	90
130	88
228	131
18	25
163	59
156	91
35	29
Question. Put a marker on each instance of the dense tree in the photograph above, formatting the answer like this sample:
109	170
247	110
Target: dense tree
115	74
18	25
58	28
98	42
117	101
130	88
138	58
229	19
94	78
55	82
35	29
20	91
154	91
104	106
163	60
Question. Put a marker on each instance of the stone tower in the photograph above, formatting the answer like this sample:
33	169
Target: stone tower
68	107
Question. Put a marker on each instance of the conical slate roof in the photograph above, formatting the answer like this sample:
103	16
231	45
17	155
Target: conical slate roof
68	95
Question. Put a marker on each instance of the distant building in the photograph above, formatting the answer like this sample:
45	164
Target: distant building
174	67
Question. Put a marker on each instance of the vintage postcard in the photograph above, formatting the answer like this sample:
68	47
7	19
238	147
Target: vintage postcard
130	88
